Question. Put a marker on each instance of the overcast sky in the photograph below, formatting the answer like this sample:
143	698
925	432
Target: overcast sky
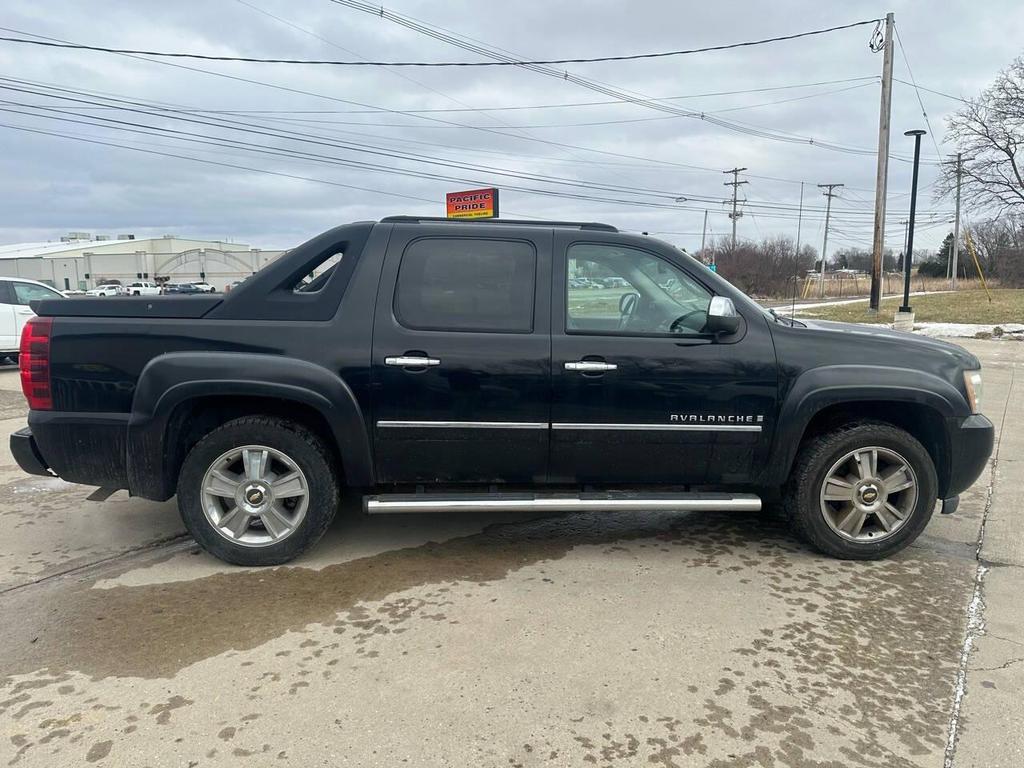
823	88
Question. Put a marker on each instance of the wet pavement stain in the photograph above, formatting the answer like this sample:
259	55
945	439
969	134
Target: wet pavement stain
156	630
878	660
873	657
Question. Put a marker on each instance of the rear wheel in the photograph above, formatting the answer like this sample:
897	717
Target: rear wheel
258	490
862	492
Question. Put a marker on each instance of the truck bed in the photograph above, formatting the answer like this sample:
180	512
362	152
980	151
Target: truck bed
186	307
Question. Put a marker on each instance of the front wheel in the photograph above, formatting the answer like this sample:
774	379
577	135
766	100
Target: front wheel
258	490
862	492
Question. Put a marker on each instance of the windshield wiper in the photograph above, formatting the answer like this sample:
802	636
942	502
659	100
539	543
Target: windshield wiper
792	322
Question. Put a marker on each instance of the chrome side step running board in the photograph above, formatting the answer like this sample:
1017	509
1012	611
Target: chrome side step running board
611	501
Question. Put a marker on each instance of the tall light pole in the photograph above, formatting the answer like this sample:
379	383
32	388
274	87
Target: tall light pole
956	221
907	258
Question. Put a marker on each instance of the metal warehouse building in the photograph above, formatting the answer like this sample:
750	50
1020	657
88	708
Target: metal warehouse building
82	261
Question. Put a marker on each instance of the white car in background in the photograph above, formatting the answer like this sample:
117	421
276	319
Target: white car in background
107	289
204	287
15	296
142	288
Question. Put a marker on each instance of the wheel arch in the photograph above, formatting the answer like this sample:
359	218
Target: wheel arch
182	396
825	398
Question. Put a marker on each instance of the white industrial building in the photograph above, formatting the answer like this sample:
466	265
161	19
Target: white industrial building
82	261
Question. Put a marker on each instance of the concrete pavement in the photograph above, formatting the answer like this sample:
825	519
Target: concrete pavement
611	640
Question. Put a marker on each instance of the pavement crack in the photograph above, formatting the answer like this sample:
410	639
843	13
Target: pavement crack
976	606
169	541
1005	639
1005	665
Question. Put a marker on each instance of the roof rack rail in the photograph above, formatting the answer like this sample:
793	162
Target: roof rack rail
516	222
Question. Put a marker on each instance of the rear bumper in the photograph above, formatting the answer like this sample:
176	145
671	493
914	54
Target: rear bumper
26	453
971	441
86	448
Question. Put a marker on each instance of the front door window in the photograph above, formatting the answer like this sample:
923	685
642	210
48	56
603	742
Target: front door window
615	289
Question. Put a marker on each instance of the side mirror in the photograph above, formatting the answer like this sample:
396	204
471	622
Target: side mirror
722	317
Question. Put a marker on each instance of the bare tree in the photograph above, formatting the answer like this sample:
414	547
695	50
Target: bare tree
767	268
989	131
999	245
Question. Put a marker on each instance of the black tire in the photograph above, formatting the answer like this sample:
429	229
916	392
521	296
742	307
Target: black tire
301	445
816	458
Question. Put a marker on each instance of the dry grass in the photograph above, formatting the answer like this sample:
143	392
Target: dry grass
968	306
860	285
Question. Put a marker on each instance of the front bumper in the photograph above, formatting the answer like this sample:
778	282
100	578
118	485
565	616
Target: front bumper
26	453
971	441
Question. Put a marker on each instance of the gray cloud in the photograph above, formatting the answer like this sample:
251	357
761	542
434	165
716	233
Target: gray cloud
53	185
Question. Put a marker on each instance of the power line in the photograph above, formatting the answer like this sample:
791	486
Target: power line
137	107
465	43
400	74
932	90
622	121
737	126
924	112
364	63
439	121
319	158
529	107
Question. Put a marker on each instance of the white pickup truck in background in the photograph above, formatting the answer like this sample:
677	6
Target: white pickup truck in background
106	289
15	295
142	288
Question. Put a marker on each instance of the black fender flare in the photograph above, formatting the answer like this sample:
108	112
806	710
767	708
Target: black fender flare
173	378
820	388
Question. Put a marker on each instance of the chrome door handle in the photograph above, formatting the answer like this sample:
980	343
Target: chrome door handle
410	361
589	366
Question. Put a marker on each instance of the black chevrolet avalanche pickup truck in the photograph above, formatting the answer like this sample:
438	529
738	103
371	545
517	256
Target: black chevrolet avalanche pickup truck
429	364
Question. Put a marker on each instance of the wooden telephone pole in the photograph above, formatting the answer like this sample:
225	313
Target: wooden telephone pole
882	174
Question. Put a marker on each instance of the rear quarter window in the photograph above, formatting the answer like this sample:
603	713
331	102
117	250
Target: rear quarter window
466	284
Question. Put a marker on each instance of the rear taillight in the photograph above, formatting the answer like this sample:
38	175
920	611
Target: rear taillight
34	361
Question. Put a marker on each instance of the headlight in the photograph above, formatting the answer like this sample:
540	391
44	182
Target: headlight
972	383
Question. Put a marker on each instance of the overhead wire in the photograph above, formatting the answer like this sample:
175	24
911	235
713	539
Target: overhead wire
469	44
425	64
149	110
920	101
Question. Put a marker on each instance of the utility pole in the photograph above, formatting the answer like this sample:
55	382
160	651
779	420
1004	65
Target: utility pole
829	193
796	256
735	184
956	219
704	233
882	173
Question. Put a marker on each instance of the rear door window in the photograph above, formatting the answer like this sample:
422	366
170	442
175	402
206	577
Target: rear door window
25	293
464	284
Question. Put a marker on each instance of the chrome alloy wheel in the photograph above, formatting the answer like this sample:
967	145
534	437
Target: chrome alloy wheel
869	494
254	495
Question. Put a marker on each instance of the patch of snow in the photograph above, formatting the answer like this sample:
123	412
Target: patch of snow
39	484
970	330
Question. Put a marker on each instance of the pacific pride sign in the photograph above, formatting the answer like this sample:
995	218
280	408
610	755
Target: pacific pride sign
472	204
